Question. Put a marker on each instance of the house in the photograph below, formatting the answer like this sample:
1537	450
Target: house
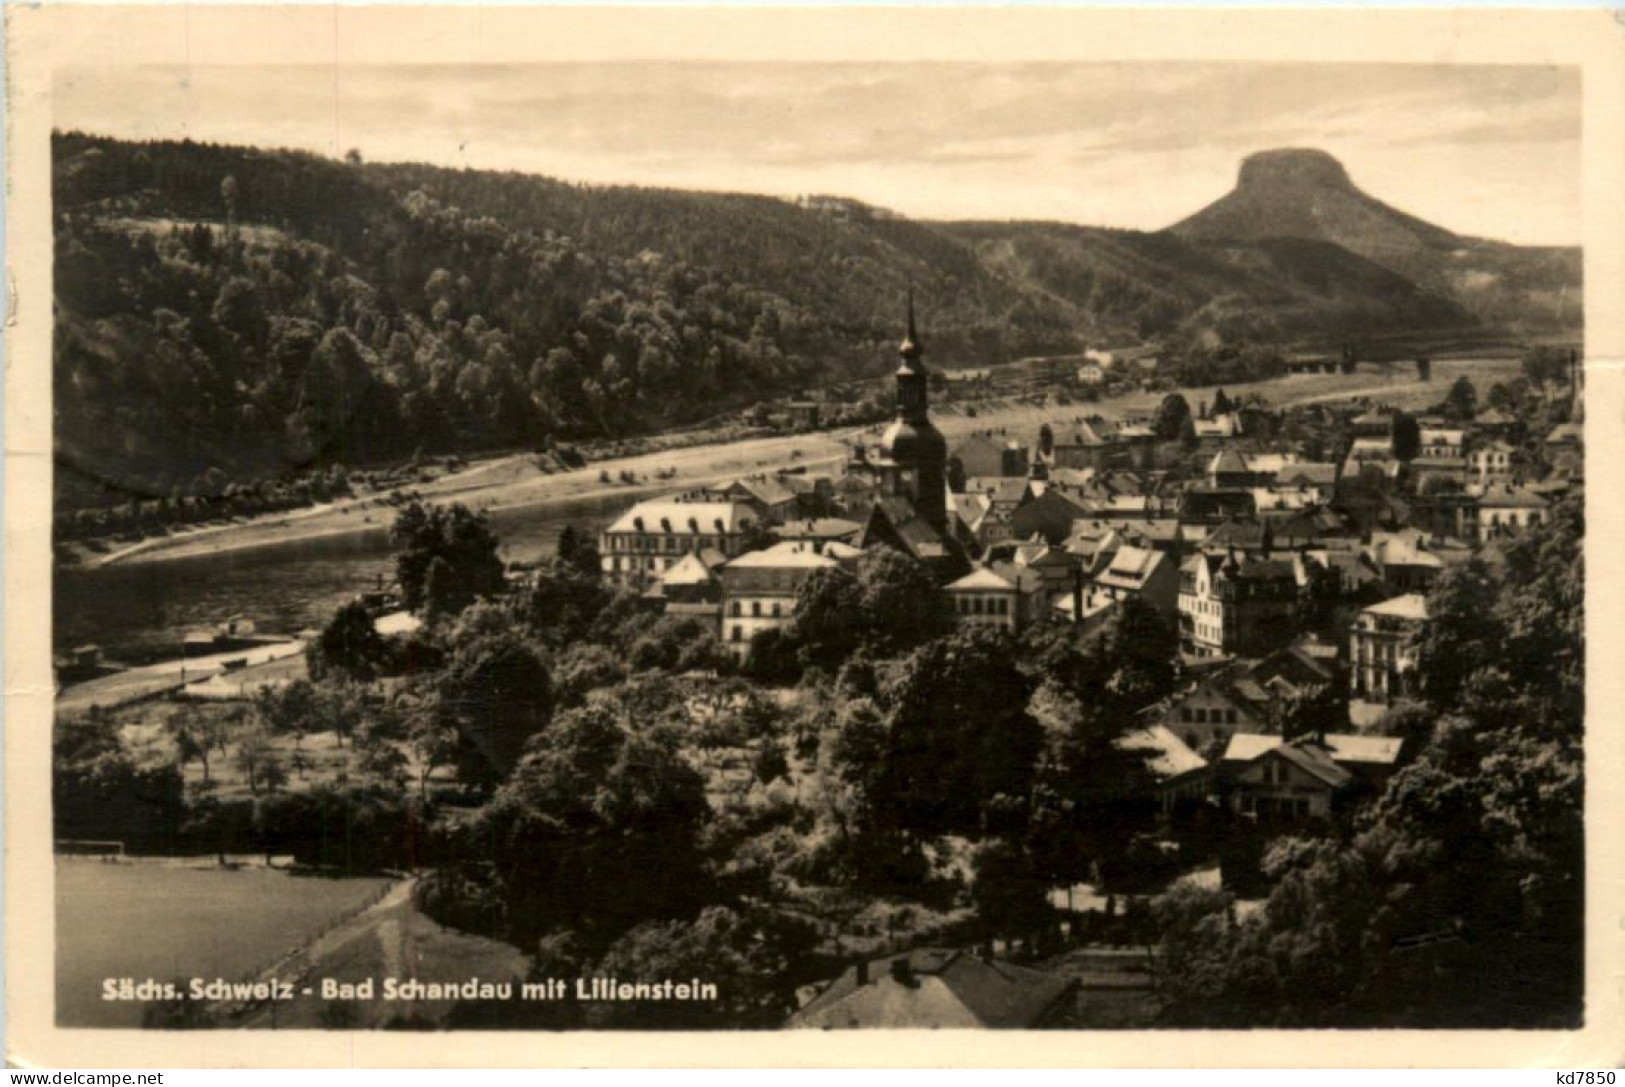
1495	458
1217	706
1384	655
817	531
984	455
1450	472
1179	773
759	588
1006	494
646	540
1052	564
973	511
1003	596
1231	605
691	587
1085	446
1219	428
1446	442
1492	423
1270	778
769	497
1408	560
1506	509
1565	438
1049	515
1138	573
938	988
1144	358
1371	453
1092	373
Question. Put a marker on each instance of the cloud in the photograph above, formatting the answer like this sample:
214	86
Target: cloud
1123	144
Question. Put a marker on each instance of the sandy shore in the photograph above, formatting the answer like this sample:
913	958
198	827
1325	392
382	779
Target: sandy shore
515	482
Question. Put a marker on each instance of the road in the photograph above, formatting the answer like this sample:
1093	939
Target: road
515	482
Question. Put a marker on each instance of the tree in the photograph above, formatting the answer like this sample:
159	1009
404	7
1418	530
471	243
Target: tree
349	645
256	760
563	603
1010	892
1456	898
499	694
1546	366
578	554
1407	437
749	955
960	738
432	736
886	604
1461	402
462	540
583	668
1172	415
607	802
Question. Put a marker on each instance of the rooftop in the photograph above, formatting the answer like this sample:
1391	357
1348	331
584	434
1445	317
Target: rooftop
692	518
934	988
1409	606
789	555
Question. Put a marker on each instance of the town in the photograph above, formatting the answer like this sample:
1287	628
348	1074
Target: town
1026	714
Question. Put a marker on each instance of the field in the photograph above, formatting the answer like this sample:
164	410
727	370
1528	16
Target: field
151	920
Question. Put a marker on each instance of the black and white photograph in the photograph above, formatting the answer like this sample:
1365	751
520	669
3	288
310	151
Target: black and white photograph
813	545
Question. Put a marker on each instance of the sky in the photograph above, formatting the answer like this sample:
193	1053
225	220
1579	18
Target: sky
1490	151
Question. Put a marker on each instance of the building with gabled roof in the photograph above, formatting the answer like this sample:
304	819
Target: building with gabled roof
895	523
1385	655
1002	595
769	497
1139	573
759	588
1179	772
1234	605
648	539
937	989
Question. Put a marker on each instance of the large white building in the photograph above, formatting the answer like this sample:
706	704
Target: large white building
651	537
1384	653
759	589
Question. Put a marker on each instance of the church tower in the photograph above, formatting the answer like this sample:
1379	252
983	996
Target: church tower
913	452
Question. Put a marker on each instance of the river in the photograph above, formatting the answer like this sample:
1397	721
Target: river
140	611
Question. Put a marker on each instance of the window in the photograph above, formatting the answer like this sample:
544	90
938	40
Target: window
735	609
756	608
738	632
1229	717
775	610
1201	716
1185	714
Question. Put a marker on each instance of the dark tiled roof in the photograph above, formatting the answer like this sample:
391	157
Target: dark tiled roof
940	988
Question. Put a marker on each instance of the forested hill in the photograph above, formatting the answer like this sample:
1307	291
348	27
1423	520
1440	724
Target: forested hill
255	312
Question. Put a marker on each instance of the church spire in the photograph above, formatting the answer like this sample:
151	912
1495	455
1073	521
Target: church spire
911	348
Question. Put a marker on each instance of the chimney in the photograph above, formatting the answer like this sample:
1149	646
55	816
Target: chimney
902	971
863	972
1077	596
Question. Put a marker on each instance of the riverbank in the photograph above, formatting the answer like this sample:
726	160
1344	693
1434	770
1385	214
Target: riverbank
514	482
